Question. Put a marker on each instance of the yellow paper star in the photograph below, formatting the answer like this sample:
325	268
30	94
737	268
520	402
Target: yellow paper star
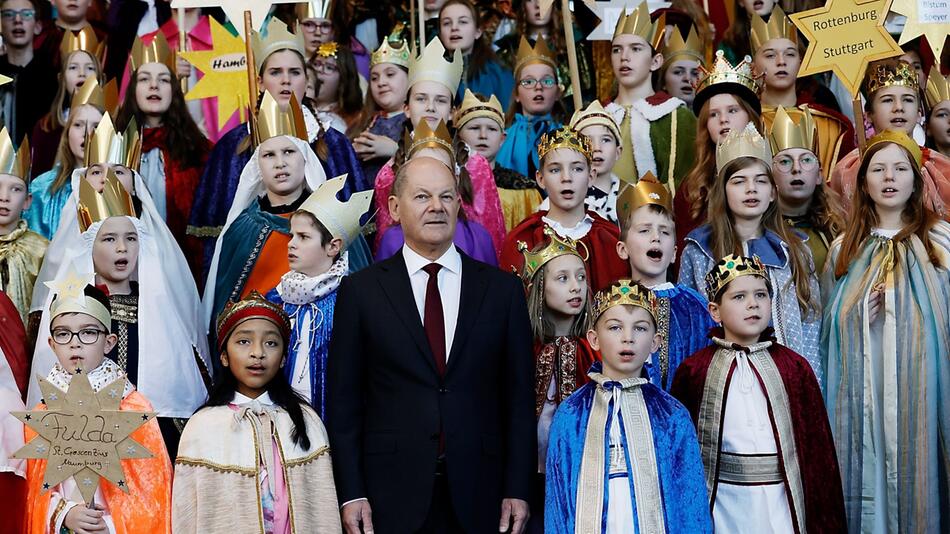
83	434
843	37
5	79
933	23
225	72
71	286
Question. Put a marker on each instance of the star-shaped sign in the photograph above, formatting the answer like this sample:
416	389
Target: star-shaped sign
610	12
84	435
224	70
843	37
930	19
71	286
235	9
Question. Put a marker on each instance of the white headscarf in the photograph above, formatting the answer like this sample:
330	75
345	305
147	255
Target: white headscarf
169	331
249	189
11	429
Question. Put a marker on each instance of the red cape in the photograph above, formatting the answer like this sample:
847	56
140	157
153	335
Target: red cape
13	343
604	266
818	463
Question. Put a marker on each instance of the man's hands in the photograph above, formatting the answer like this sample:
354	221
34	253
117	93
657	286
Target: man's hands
356	513
514	515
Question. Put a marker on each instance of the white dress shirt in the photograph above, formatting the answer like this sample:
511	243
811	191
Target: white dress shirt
575	232
450	287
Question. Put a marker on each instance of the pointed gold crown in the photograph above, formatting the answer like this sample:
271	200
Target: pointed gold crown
106	146
625	293
114	201
387	53
277	37
787	133
157	51
328	49
738	78
900	138
647	190
743	143
595	114
272	121
540	53
341	219
728	269
888	74
13	161
473	108
637	22
424	137
565	137
314	9
556	246
104	97
85	40
779	26
432	66
675	48
938	87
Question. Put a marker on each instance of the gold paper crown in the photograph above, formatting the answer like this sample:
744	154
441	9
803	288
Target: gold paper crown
779	26
556	246
676	48
724	72
566	137
473	108
341	219
106	146
114	201
887	74
787	133
13	161
85	40
938	87
540	53
69	294
625	293
743	143
314	9
638	23
272	121
424	137
595	114
646	191
431	66
728	269
387	53
328	49
90	92
156	51
900	138
278	37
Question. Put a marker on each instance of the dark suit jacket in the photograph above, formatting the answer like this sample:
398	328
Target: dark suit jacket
386	401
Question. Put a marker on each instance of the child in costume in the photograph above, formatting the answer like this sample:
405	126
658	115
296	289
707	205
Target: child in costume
744	219
80	336
660	126
320	231
807	204
14	374
884	345
764	435
938	101
623	456
648	245
339	99
604	134
682	60
255	458
565	175
481	125
21	250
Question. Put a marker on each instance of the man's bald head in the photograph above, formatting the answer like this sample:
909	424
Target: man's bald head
423	166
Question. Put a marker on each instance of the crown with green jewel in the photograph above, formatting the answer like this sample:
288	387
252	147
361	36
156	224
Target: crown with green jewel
557	246
730	268
625	293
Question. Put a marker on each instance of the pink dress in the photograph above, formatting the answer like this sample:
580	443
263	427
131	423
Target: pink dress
485	208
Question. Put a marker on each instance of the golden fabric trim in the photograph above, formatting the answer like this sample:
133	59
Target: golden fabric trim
54	518
556	358
249	264
220	468
663	326
589	504
709	420
749	470
646	482
306	459
204	231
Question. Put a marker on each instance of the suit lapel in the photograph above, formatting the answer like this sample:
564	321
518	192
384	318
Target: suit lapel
474	287
398	290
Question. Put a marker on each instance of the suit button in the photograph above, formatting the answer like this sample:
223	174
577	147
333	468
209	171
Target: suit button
443	390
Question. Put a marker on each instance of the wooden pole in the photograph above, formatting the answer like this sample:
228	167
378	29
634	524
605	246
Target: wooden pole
858	124
572	55
422	25
252	90
182	43
412	23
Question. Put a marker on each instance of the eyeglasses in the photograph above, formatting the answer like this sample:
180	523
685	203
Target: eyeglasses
325	67
25	14
322	27
806	162
87	336
530	83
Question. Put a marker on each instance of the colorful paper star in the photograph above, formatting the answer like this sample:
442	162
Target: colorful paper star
224	70
933	22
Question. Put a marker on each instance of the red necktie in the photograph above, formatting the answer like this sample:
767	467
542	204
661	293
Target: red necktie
434	322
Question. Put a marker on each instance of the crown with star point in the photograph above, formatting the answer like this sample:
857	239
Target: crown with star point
314	9
423	137
70	296
675	48
638	22
113	201
728	269
565	137
104	97
779	26
555	247
394	50
273	121
341	219
890	73
157	51
106	146
723	76
787	132
595	114
938	87
898	137
15	161
432	66
743	143
277	37
625	292
85	40
647	190
540	54
473	108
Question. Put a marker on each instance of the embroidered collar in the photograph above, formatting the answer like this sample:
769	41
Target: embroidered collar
299	289
769	248
21	228
107	373
748	349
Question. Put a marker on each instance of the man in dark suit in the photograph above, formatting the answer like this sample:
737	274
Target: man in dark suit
430	379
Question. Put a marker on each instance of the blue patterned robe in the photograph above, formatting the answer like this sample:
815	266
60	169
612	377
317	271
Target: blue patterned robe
519	152
684	323
493	79
43	214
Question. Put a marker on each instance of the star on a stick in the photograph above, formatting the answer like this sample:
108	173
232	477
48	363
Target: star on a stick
224	70
932	22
